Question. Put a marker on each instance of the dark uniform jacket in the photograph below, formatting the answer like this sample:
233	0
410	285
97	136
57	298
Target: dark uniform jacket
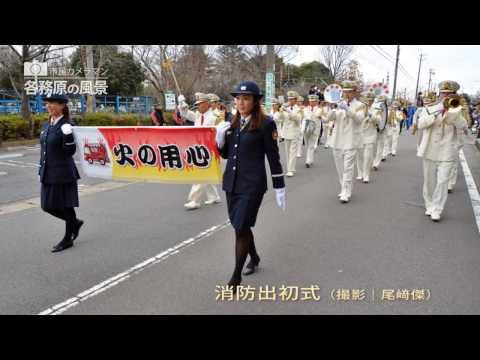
56	161
245	150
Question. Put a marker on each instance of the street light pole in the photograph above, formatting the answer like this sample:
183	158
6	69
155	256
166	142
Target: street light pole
418	76
396	72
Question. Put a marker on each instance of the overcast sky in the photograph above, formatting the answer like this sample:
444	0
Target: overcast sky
449	62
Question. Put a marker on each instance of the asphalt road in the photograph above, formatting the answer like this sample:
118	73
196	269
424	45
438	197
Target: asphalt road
380	241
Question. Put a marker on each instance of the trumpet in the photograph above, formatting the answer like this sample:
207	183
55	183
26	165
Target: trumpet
453	101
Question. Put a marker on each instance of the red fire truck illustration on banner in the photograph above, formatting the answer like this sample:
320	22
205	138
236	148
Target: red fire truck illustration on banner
95	152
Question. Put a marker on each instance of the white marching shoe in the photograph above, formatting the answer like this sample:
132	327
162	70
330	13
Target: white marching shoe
290	174
344	199
435	217
359	177
428	212
214	201
192	205
366	180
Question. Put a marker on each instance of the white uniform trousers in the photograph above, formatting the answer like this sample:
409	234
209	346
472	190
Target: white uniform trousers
310	145
380	149
197	191
345	164
300	145
436	175
453	175
365	157
395	136
291	154
387	149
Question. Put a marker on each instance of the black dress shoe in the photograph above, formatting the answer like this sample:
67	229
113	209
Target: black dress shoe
450	191
375	168
384	159
235	282
77	229
63	245
251	267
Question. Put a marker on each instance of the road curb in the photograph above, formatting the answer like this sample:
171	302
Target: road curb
10	145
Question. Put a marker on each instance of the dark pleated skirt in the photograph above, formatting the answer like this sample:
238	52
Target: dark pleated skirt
59	196
243	209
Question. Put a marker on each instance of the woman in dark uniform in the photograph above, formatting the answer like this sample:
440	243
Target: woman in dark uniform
244	142
58	173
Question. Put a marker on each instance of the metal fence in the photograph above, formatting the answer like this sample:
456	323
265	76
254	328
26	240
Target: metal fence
78	105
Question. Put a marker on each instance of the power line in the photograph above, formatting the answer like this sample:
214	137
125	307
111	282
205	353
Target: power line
402	68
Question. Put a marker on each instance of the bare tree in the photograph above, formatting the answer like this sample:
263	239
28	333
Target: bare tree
13	61
152	59
335	58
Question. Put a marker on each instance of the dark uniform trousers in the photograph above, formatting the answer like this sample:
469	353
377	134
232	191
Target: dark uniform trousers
245	178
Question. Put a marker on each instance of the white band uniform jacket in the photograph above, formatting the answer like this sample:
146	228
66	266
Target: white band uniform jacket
292	123
245	152
209	117
438	144
279	118
347	126
369	127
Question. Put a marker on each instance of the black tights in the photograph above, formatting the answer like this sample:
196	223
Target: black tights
69	216
244	245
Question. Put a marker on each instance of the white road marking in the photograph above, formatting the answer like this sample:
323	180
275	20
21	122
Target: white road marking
472	188
3	173
10	156
117	279
82	190
26	163
12	164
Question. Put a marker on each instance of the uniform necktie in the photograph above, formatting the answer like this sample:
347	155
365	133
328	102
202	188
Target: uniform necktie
201	120
242	122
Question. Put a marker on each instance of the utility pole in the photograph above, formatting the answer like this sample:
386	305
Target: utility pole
388	78
396	72
418	76
430	79
270	78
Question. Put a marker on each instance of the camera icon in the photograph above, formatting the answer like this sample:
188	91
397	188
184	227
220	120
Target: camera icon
35	69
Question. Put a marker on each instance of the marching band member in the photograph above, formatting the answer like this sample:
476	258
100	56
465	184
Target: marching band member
312	127
291	131
216	108
400	118
381	136
328	125
346	136
324	111
391	128
427	100
58	173
453	175
443	125
244	143
204	117
366	154
278	116
300	104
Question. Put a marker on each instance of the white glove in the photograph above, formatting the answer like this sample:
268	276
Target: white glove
343	106
280	196
221	130
67	129
181	98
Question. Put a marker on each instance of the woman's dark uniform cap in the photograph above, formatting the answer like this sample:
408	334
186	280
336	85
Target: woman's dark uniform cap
56	98
248	88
